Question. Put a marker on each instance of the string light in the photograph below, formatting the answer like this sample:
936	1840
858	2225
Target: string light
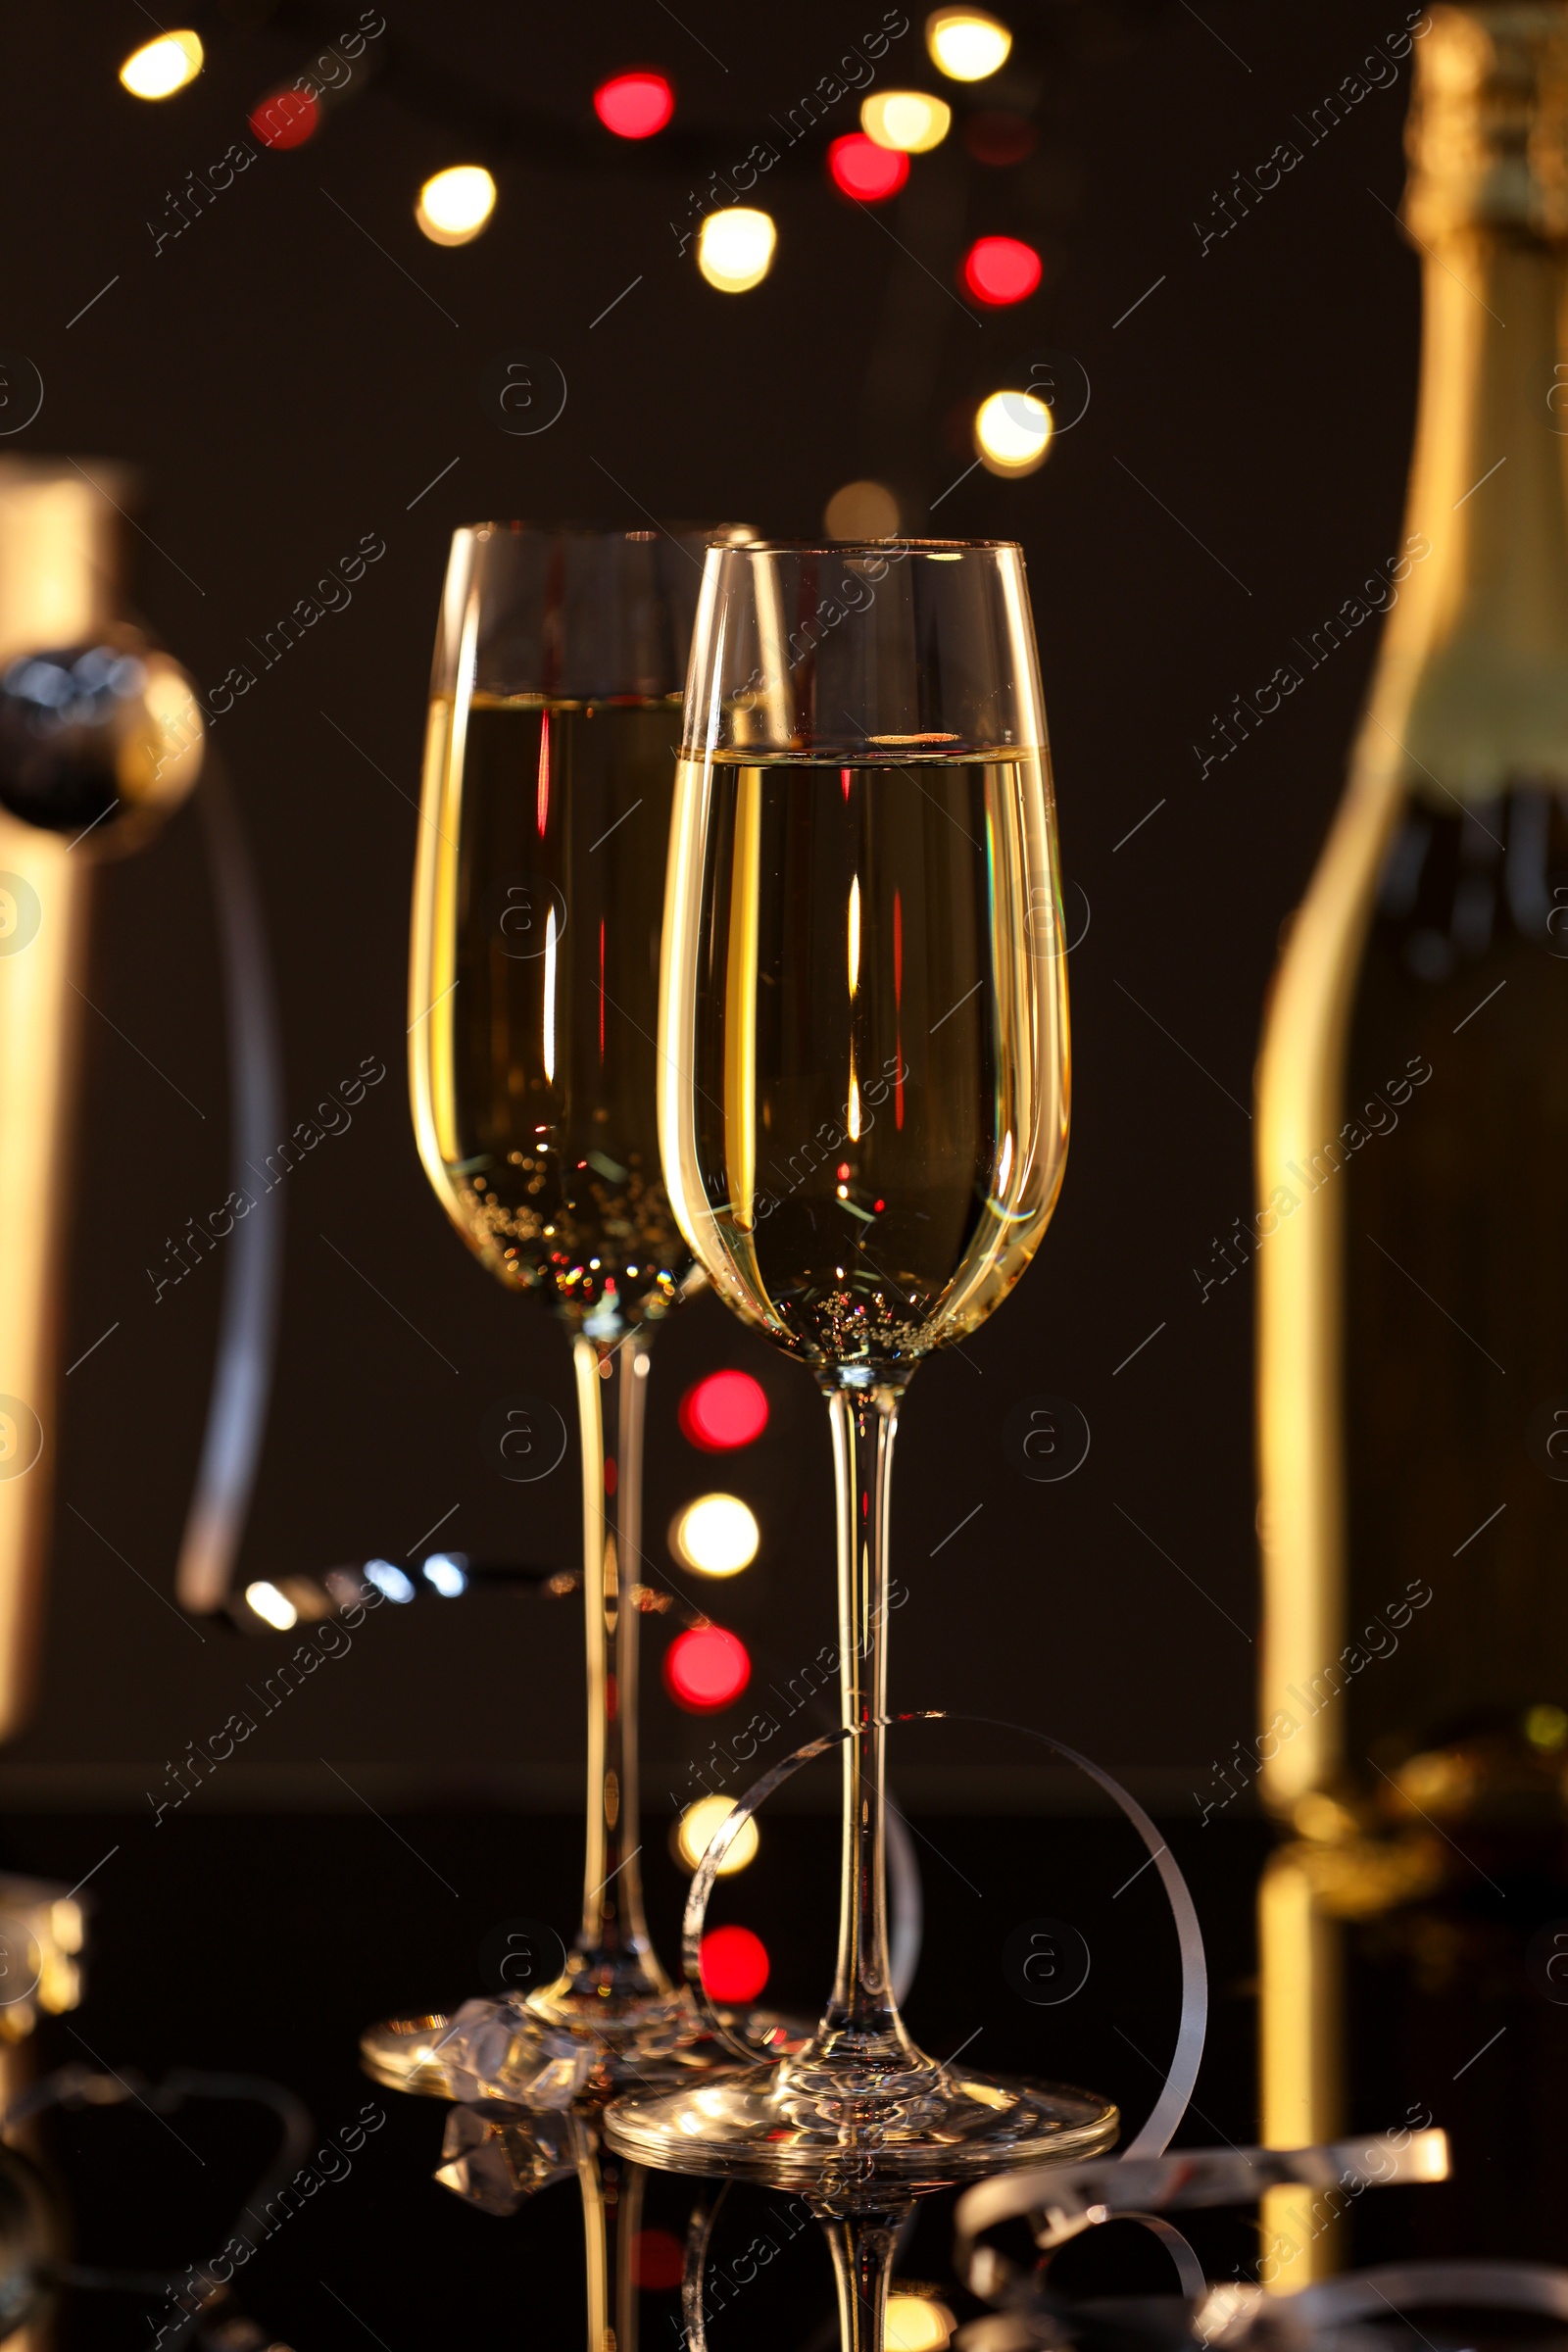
967	45
706	1669
906	119
274	1608
999	271
735	248
916	2323
157	69
861	510
390	1580
287	119
715	1535
858	167
725	1410
697	1826
734	1964
1013	432
634	106
447	1573
455	205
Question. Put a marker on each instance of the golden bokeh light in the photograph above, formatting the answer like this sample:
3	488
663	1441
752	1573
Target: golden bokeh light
715	1535
967	45
695	1830
1013	432
735	248
275	1608
457	204
160	67
906	120
916	2323
862	510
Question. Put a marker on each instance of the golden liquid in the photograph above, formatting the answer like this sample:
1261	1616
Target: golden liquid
871	1137
533	983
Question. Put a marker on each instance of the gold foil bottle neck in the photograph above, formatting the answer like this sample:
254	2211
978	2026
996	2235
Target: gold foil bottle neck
60	550
1487	131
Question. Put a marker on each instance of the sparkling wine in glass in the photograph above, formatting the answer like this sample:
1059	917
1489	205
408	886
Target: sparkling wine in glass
864	1094
550	769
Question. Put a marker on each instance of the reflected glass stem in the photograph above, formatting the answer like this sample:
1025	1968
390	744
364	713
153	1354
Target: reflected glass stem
862	2246
612	2217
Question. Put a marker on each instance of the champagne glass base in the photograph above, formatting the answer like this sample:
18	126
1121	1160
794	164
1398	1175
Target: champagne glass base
507	2049
831	2129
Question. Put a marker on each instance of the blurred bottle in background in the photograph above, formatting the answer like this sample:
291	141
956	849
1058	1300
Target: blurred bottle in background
1412	1258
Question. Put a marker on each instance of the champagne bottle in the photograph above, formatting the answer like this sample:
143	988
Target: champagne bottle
1412	1258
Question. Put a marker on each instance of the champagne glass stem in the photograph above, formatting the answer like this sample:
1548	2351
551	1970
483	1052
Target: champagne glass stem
613	1951
863	2248
863	2017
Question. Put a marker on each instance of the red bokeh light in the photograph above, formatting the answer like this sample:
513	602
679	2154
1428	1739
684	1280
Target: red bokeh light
287	119
657	2260
706	1669
725	1410
998	271
734	1964
859	167
634	105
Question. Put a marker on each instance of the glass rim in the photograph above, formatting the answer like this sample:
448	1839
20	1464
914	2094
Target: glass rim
520	530
844	549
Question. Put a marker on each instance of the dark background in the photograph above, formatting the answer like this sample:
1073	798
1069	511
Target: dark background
292	373
286	387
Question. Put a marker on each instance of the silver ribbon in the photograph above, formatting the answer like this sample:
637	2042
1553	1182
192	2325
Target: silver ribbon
1169	2109
1171	2105
1064	2200
237	1411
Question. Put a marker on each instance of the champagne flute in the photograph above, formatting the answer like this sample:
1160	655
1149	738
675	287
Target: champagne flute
863	1090
550	766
